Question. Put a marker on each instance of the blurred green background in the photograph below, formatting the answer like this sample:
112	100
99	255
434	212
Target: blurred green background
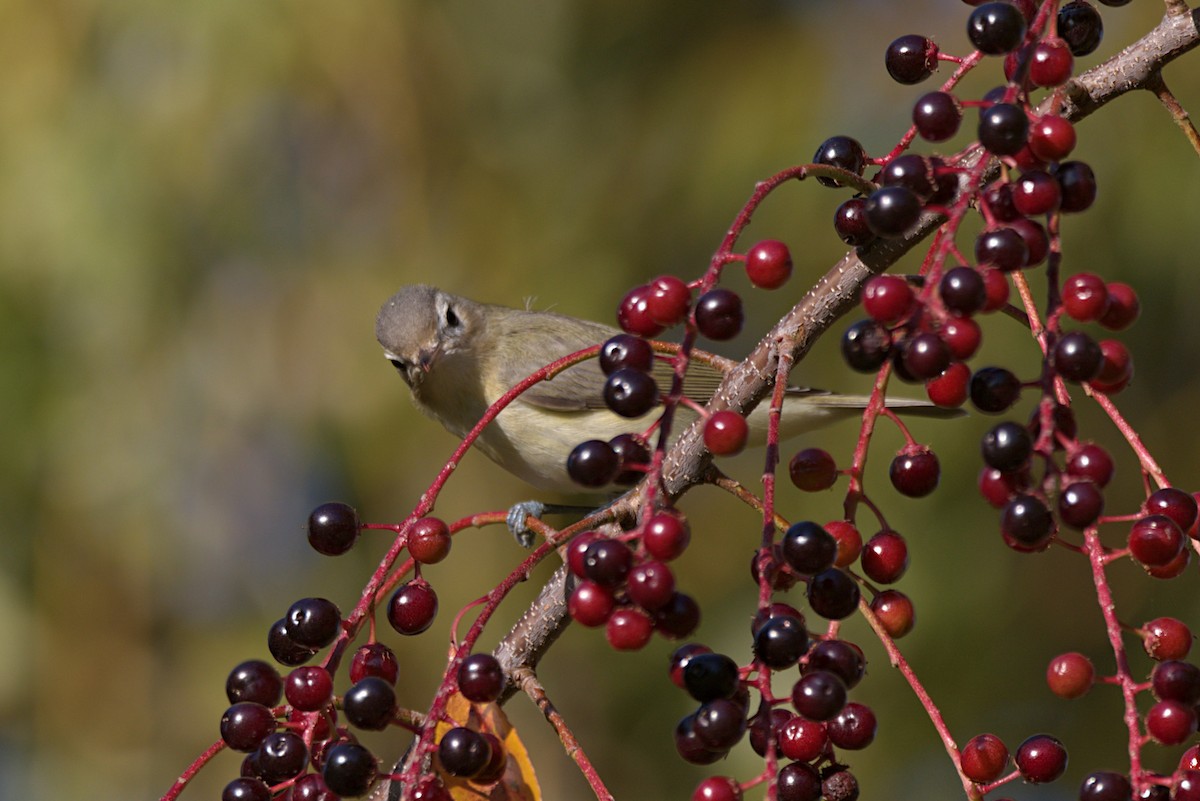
202	205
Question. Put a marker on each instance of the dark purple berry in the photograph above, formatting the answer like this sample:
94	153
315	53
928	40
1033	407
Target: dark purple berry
842	152
911	58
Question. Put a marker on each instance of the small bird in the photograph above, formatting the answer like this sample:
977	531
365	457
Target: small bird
458	356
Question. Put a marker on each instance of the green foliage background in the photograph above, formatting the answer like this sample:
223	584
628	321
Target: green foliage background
202	205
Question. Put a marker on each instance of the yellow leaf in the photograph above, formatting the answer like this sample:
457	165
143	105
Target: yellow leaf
519	782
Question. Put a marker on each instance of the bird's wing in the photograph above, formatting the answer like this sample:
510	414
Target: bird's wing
551	337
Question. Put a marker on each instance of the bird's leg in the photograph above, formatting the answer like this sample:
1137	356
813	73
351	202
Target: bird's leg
519	512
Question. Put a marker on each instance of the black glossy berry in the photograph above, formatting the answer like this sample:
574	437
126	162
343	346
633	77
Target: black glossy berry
1077	357
630	392
313	622
1079	504
719	314
1026	523
962	291
349	770
607	562
850	222
480	678
892	211
281	756
284	649
1003	128
808	548
843	152
996	28
256	681
1007	447
464	752
911	58
819	695
1080	26
333	528
780	642
832	594
937	116
866	345
994	389
720	724
912	171
593	463
1002	248
925	356
1078	185
370	704
844	659
707	677
626	351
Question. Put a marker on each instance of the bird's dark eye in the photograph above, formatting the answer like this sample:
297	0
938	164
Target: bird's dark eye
451	318
400	366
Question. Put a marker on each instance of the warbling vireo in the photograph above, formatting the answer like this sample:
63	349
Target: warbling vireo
458	356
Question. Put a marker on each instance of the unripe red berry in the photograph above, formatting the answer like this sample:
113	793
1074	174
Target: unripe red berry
769	264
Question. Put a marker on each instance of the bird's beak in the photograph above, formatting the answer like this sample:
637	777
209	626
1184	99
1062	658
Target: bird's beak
426	358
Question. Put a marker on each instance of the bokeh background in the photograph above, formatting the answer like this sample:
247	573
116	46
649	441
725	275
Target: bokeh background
202	205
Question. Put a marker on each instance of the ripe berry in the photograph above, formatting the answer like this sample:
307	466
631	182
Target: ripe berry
1007	446
925	356
853	728
769	264
1085	297
1116	370
719	314
850	222
633	457
813	470
349	770
841	658
630	393
819	695
1051	64
843	152
284	649
1003	129
962	291
679	618
667	300
1091	462
590	604
308	688
865	346
808	548
849	542
1105	785
246	724
246	789
634	315
1170	722
429	540
912	171
911	59
885	557
937	116
1077	357
892	210
254	681
1041	758
997	289
915	474
1175	680
725	433
651	585
370	704
895	612
680	658
962	336
1070	675
607	562
1078	184
765	726
281	756
463	752
480	678
1026	524
413	607
665	536
313	622
798	782
1052	138
625	351
780	642
374	659
994	389
628	629
1002	248
996	28
1123	307
984	758
1155	540
593	463
1080	504
333	528
690	747
1166	638
1037	242
832	594
1080	26
707	677
1176	504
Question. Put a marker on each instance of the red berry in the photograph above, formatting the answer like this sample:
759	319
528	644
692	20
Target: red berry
769	264
1085	297
1037	192
949	390
813	470
885	557
849	542
628	629
1052	63
984	758
853	728
634	315
667	300
1116	370
1170	722
1155	540
887	298
725	433
1166	638
308	688
590	604
895	612
665	536
1175	504
996	284
429	540
1092	462
1123	307
962	336
651	585
802	739
1070	675
1041	758
1052	138
717	788
374	659
412	607
915	474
